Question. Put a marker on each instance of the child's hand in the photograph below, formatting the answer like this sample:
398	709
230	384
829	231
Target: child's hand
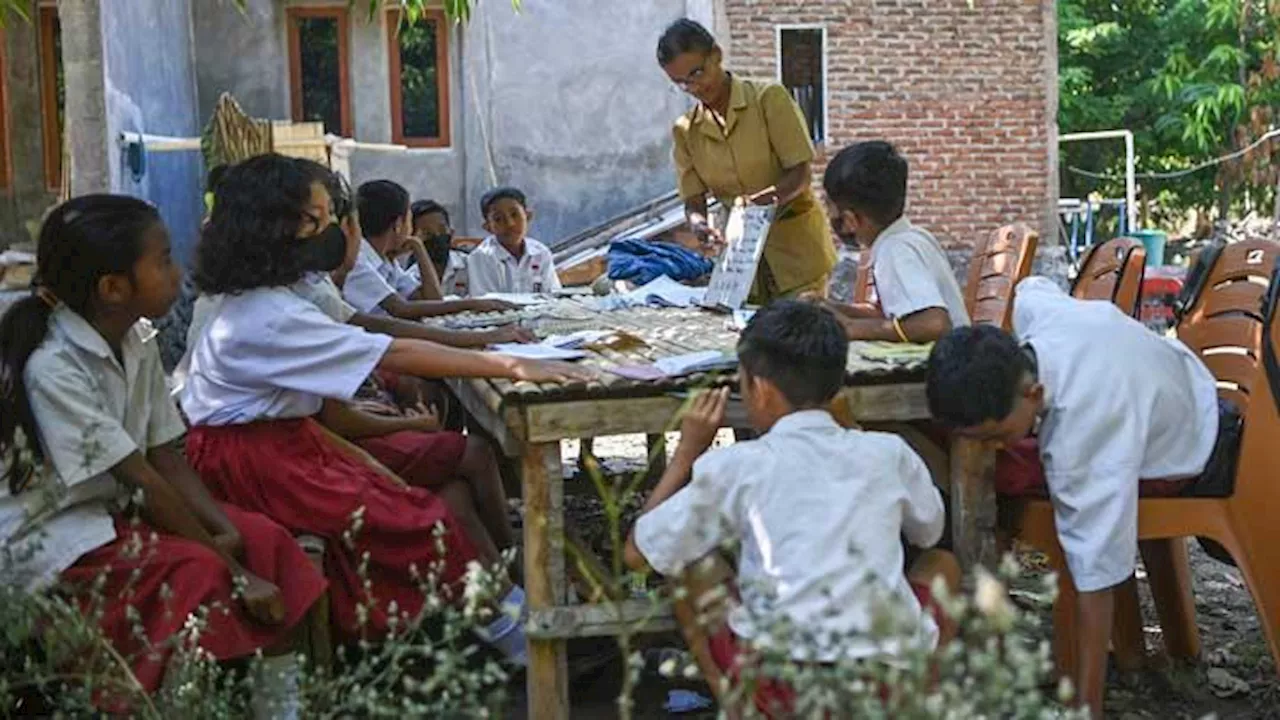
262	600
489	305
549	371
229	542
509	334
703	419
422	418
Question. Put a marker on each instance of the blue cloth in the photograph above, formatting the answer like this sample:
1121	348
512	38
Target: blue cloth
640	262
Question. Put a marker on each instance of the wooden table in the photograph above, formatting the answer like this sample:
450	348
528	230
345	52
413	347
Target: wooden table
528	421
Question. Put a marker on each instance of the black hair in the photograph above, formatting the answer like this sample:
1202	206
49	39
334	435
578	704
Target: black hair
502	193
682	36
214	177
258	209
80	241
800	348
869	177
380	204
427	207
975	375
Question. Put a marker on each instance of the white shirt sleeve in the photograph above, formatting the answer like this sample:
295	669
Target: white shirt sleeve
305	351
324	294
404	281
1031	298
484	274
692	522
365	288
924	517
80	437
550	279
904	281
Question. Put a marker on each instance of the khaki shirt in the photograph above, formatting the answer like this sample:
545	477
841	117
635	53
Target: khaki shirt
764	133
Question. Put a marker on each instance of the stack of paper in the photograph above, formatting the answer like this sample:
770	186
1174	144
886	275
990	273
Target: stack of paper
537	351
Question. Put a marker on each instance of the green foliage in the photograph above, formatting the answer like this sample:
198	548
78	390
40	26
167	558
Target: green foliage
1193	79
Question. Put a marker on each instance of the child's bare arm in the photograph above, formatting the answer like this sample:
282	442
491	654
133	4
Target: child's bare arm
415	309
920	327
352	423
698	430
172	466
395	327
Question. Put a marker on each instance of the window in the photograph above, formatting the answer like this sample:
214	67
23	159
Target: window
419	57
318	80
802	69
52	95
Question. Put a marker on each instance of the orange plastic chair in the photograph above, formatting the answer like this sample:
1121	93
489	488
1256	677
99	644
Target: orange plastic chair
998	264
1228	317
1113	271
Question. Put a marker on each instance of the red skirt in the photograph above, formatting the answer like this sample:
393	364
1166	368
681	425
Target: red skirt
166	578
292	472
422	459
776	698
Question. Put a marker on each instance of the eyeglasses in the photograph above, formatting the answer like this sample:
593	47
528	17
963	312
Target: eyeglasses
694	76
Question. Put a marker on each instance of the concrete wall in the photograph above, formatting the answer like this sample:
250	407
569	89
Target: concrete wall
154	91
565	98
26	198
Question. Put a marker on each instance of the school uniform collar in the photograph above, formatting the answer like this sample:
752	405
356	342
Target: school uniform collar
77	331
902	224
504	255
738	101
803	421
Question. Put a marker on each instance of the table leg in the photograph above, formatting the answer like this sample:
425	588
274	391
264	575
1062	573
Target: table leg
544	575
973	503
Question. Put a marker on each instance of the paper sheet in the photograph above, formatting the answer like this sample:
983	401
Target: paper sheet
535	351
695	362
518	298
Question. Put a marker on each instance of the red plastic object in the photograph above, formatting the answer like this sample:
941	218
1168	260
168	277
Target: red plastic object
1160	288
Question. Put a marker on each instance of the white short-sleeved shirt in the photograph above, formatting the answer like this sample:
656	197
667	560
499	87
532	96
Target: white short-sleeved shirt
454	281
373	279
269	354
492	269
1122	404
92	413
819	511
912	273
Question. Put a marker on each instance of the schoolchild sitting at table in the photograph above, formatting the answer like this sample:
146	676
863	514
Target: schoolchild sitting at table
431	225
508	261
917	297
1117	411
819	510
260	373
378	286
82	389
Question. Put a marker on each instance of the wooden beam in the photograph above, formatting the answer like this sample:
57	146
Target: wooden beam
482	403
595	418
886	403
605	619
547	682
973	503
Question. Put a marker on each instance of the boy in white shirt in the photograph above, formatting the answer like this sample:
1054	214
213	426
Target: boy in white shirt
917	298
508	261
431	225
1119	411
819	510
377	286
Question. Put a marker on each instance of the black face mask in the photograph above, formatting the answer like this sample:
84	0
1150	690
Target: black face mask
324	251
438	247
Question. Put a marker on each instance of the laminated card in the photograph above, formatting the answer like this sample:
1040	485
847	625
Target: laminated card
736	269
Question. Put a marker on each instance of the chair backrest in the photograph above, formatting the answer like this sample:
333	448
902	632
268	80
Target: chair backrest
1222	320
1255	486
1113	271
864	283
998	264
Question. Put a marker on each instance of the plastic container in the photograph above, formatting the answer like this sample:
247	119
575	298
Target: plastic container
1154	241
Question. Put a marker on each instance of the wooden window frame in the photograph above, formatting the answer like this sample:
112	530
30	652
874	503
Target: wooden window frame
826	76
292	16
51	133
442	80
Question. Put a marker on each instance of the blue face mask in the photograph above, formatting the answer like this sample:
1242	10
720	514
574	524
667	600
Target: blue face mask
324	251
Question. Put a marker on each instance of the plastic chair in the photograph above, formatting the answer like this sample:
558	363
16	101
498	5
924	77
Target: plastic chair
998	264
1231	315
1113	271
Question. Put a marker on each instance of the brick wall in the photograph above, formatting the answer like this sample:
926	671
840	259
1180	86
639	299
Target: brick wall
963	94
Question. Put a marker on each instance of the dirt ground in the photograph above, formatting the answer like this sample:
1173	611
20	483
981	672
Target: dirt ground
1234	677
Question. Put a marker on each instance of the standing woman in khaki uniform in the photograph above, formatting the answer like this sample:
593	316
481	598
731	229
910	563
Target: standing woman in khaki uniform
747	141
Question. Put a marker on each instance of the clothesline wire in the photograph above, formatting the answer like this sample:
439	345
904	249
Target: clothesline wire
1273	133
